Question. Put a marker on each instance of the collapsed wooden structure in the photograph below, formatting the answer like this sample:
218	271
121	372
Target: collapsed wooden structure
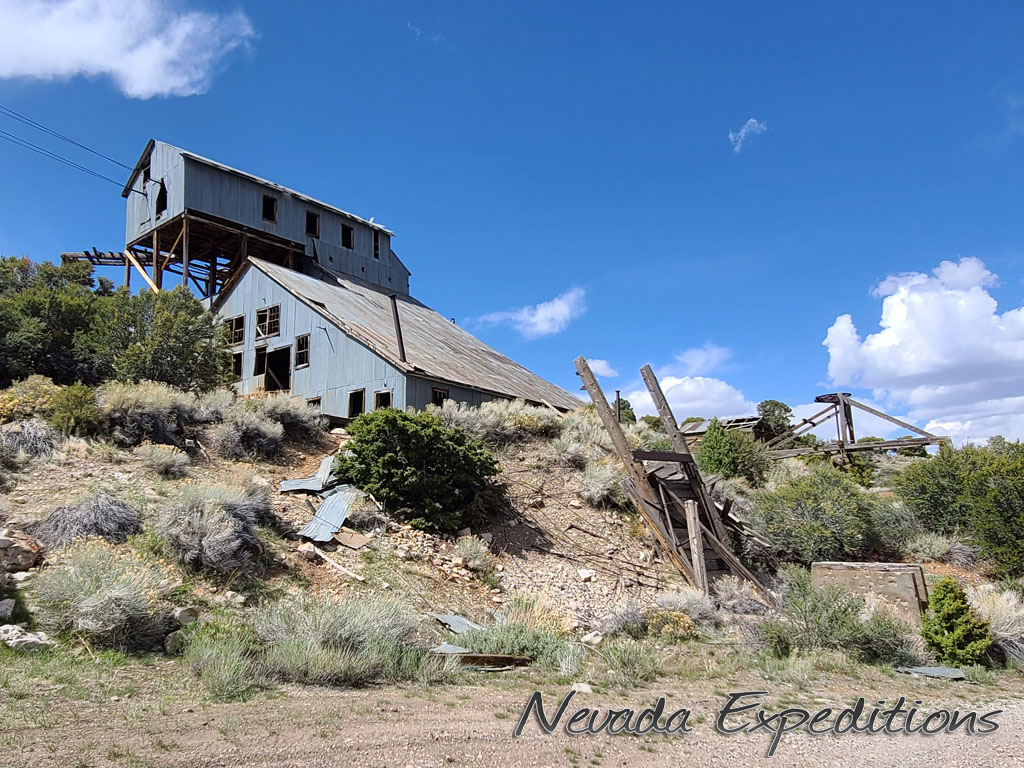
840	407
690	528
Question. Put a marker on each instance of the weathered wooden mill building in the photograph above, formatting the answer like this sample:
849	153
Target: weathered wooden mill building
316	301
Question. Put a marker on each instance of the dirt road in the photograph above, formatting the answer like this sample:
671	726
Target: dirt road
473	726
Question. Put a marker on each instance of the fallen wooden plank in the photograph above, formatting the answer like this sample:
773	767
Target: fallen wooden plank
336	565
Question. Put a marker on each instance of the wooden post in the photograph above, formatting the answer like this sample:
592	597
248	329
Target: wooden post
700	575
158	273
184	252
668	420
127	274
634	469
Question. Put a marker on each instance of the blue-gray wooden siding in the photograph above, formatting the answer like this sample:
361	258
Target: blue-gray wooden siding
338	364
196	186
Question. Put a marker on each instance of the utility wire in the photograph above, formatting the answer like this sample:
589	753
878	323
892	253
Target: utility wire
39	126
53	156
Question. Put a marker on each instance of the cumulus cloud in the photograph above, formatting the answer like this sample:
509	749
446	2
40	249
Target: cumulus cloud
700	361
944	351
602	368
147	47
544	319
695	396
747	131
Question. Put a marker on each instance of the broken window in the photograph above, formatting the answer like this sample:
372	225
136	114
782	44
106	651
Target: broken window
348	236
302	351
312	224
260	366
236	330
376	244
161	200
438	396
381	400
236	366
356	403
268	322
270	209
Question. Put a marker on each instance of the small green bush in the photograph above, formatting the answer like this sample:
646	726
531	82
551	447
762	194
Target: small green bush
76	412
939	489
888	639
298	419
224	658
813	618
426	473
628	662
892	526
601	485
97	516
499	422
544	645
477	553
106	598
951	628
733	453
997	516
819	516
213	527
28	398
349	643
245	434
165	460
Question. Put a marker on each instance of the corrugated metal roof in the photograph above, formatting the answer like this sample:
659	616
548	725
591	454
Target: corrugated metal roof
331	514
700	427
434	347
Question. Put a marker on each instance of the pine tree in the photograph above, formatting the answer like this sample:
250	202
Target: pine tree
951	628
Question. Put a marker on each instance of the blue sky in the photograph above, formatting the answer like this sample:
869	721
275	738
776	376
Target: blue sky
591	158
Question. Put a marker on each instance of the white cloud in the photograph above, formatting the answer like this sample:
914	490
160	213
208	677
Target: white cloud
434	37
602	368
943	351
699	361
748	130
542	319
147	47
695	396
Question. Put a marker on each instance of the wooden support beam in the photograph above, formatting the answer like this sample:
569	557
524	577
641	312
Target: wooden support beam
805	425
135	263
645	499
889	418
700	575
158	278
170	253
668	420
881	445
184	252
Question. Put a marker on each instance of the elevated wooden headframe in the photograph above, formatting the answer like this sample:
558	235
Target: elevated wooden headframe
670	494
840	406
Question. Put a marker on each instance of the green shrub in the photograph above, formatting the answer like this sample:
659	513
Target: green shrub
75	411
224	658
818	516
350	642
97	516
544	645
939	489
477	553
30	438
28	398
103	597
997	516
146	410
813	618
888	639
213	527
165	460
601	485
733	453
893	525
246	434
426	473
298	419
628	663
951	628
499	422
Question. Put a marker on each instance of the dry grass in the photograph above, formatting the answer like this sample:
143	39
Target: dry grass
98	516
165	460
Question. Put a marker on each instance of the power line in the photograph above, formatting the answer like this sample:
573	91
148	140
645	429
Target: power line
39	126
53	156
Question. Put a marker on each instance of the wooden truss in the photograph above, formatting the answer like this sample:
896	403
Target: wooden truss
840	406
204	253
690	529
